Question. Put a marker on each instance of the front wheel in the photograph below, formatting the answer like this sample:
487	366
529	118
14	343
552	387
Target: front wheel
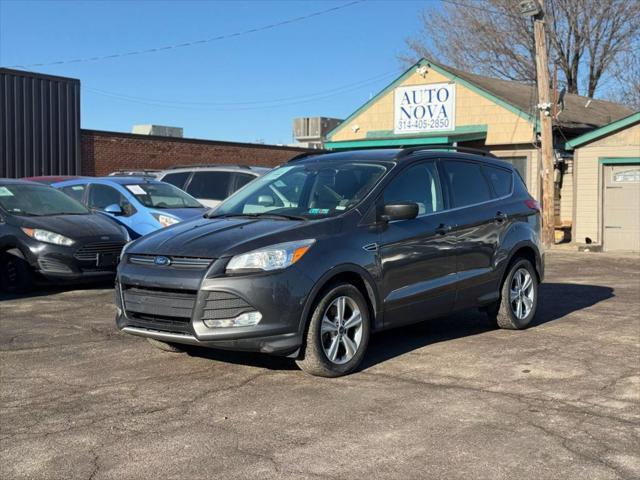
338	333
519	297
15	273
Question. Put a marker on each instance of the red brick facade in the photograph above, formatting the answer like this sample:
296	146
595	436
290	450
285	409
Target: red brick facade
104	152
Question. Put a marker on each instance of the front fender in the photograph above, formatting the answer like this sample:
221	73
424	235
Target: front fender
369	282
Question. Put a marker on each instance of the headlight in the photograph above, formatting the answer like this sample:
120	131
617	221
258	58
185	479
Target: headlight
274	257
166	220
47	236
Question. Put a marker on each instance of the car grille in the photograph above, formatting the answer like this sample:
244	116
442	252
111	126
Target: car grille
222	305
185	263
90	251
158	309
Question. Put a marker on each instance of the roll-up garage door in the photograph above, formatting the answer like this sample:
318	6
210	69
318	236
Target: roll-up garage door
621	216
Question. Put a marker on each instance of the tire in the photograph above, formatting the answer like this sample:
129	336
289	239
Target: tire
505	312
15	272
166	346
345	340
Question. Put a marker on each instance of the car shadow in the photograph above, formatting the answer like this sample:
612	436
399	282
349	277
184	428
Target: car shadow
252	359
556	301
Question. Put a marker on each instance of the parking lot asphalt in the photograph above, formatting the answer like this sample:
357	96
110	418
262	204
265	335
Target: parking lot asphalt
452	398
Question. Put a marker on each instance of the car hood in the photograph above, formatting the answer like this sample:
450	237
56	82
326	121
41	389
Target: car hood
77	226
181	213
214	238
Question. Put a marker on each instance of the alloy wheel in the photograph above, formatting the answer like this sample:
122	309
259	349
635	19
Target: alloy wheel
341	330
521	293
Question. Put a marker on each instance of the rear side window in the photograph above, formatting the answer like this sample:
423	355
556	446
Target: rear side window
500	180
467	183
210	185
242	179
75	191
177	179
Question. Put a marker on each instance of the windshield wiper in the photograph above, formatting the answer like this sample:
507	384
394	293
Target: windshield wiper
257	215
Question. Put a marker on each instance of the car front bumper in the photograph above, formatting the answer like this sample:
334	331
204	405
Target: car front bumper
173	307
62	263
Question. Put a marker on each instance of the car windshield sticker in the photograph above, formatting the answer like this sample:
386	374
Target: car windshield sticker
77	187
341	207
136	189
5	192
318	211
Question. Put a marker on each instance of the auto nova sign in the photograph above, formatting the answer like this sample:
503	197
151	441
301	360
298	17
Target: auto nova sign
425	108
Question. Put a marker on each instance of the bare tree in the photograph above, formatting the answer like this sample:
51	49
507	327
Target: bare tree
586	38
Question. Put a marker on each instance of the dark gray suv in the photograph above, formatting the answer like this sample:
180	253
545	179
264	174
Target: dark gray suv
314	256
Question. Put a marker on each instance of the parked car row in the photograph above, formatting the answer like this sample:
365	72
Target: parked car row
66	228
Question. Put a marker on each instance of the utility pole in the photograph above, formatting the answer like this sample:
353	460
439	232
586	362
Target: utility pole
535	9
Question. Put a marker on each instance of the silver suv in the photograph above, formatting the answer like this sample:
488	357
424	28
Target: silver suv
211	184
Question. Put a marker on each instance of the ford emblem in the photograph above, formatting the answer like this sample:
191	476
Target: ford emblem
162	261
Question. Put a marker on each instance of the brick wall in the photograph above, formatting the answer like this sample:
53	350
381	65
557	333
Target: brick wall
104	152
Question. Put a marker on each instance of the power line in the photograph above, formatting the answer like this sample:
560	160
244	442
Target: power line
306	96
194	42
257	105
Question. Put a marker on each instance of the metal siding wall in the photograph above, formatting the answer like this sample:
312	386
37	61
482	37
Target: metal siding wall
39	125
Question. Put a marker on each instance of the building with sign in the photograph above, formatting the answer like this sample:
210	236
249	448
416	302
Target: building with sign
431	104
607	179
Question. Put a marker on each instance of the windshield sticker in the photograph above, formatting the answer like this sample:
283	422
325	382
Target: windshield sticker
136	189
77	187
341	207
280	184
5	192
318	211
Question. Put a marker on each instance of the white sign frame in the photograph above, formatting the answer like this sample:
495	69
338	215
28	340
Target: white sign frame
424	108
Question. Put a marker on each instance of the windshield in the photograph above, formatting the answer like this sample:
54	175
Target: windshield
311	191
162	195
38	200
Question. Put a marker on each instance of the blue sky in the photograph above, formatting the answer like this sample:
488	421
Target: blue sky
246	88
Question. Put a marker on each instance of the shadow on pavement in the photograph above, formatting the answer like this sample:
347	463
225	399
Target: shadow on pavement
556	301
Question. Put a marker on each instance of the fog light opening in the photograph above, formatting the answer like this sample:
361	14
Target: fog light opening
247	319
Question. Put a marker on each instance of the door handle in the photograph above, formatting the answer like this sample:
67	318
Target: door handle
500	217
443	229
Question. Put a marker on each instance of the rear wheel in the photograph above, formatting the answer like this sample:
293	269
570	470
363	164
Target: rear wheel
338	333
166	346
519	297
15	272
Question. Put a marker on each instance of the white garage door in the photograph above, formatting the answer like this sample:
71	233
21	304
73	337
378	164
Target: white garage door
622	207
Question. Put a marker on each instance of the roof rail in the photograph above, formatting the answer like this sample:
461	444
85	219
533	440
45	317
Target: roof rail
408	151
302	155
199	165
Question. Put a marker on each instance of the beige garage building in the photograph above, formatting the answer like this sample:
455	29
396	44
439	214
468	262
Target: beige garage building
433	104
607	185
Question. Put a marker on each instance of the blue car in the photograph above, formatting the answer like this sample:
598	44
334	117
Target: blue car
140	204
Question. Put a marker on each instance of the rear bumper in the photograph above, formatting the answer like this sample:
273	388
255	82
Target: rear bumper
173	308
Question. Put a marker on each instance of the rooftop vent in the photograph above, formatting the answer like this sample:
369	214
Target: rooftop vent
158	130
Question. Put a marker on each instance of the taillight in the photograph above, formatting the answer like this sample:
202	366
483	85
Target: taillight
533	204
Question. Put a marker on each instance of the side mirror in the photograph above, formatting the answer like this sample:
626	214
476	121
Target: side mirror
399	211
266	200
113	209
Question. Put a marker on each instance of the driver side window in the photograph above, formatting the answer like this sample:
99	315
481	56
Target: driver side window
101	196
418	184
